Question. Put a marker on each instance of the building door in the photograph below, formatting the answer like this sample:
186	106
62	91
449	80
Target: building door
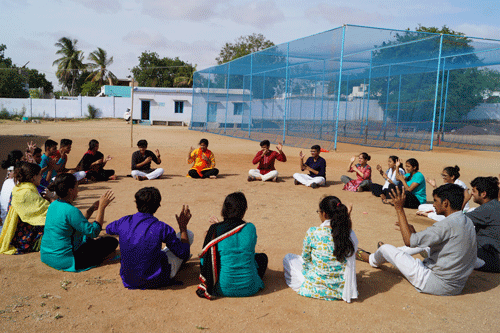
145	105
212	112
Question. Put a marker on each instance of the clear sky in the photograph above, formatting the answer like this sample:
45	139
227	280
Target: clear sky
196	30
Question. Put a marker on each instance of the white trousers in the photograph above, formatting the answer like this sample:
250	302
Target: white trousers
292	265
401	258
152	175
79	175
267	176
308	180
174	261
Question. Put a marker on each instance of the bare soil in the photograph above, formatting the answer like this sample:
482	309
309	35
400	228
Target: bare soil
35	297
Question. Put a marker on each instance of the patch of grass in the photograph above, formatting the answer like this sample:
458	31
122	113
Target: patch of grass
58	316
93	112
64	284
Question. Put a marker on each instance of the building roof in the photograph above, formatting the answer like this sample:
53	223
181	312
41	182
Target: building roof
164	90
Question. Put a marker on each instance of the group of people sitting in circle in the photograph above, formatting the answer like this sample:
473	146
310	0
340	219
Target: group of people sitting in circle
46	220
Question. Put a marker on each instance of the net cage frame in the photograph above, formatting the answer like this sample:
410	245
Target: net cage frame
408	91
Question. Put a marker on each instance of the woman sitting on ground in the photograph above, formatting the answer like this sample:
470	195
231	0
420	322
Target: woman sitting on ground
68	243
229	264
203	162
24	225
450	175
327	267
413	183
93	162
8	184
390	179
363	174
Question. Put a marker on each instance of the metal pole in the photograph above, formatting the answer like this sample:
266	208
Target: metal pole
363	105
345	113
263	101
340	82
399	101
250	103
445	102
387	100
441	101
286	90
208	98
132	114
322	99
227	94
436	90
368	102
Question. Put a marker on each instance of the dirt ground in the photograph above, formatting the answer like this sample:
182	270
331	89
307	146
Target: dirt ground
35	297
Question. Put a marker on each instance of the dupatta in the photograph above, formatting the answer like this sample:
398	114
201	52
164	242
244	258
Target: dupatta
210	268
199	163
27	205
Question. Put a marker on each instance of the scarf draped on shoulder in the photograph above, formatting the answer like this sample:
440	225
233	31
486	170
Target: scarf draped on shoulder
199	163
27	205
210	269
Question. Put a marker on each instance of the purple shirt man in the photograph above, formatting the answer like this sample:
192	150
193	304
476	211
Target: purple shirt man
143	263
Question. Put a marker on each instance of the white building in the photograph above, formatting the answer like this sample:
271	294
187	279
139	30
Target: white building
163	106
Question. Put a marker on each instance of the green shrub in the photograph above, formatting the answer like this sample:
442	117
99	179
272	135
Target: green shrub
93	112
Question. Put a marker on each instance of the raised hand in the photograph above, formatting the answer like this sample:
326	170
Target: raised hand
31	146
431	182
109	158
213	220
301	155
106	199
398	197
183	218
157	153
279	147
398	165
379	168
205	157
95	206
148	159
400	177
353	159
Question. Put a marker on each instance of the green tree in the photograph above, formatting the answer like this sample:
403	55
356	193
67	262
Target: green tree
70	64
12	81
90	88
154	71
38	80
416	64
99	65
243	46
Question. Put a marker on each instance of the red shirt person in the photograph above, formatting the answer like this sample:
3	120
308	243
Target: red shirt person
265	158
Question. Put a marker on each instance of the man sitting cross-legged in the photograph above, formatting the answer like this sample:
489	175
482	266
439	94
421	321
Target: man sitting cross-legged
141	162
486	219
265	158
451	246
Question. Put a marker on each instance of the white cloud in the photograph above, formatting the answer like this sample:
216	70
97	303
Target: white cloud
106	6
339	15
191	10
261	14
197	52
478	30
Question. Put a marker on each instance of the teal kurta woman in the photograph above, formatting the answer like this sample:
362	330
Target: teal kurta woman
66	229
238	269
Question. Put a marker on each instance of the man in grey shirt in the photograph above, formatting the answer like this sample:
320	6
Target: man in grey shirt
486	219
450	243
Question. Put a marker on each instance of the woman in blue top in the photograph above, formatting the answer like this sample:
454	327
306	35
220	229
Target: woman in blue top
414	184
229	264
68	243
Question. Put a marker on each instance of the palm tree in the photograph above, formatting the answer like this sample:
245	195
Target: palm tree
100	66
70	64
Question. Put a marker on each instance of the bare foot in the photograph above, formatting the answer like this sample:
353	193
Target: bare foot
112	177
213	177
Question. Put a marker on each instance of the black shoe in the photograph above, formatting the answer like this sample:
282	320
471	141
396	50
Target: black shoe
296	182
314	185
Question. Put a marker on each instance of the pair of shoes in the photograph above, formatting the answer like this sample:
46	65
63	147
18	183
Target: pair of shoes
358	254
251	178
296	182
314	185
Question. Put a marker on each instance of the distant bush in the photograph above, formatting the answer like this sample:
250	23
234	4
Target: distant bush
93	112
4	114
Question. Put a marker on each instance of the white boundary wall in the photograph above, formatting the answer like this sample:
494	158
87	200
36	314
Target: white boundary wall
110	107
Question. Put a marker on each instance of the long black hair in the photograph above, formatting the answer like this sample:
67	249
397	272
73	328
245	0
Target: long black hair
62	184
341	225
25	172
234	206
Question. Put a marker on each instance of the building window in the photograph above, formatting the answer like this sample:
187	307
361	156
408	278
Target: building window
238	109
179	107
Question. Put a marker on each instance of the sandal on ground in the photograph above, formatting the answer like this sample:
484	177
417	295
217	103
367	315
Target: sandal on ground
358	255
